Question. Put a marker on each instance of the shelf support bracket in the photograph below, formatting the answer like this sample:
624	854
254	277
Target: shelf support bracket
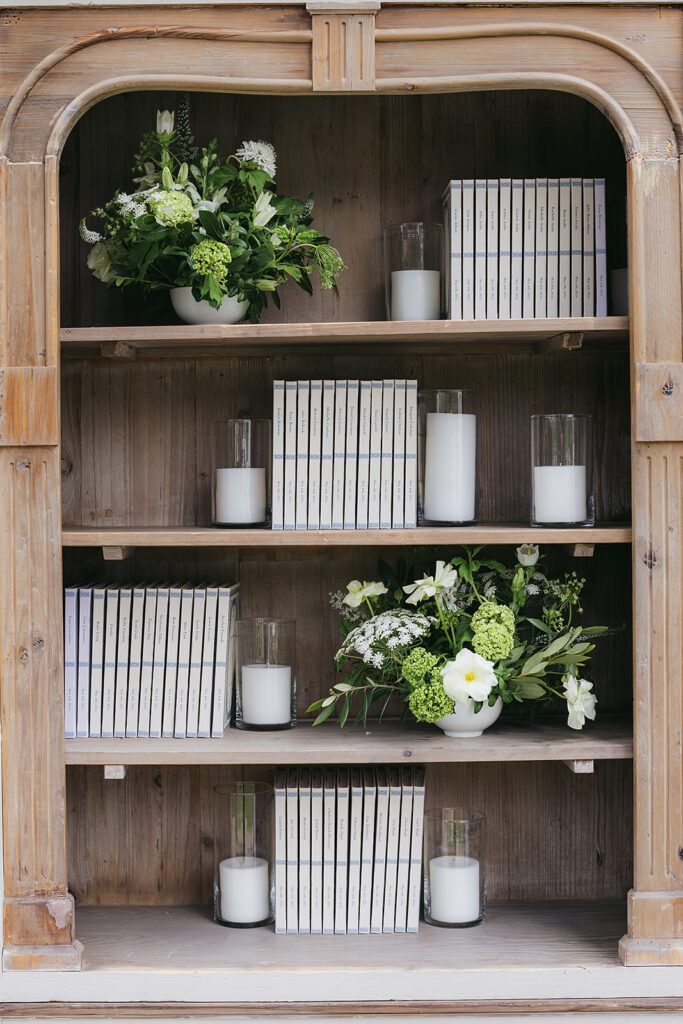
343	44
568	341
581	767
115	772
117	350
583	550
116	552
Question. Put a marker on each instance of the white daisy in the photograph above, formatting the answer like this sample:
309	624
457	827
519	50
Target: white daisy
260	153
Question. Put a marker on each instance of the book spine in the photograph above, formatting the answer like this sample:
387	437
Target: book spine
414	887
302	428
184	646
480	249
600	248
339	454
278	484
553	269
517	249
588	247
148	638
70	660
541	272
342	852
404	843
161	628
386	483
504	248
317	829
290	454
453	249
304	851
135	665
171	673
208	656
363	454
576	247
367	850
375	454
110	647
393	833
492	218
355	837
280	789
226	616
330	820
565	248
122	661
410	513
84	641
195	681
351	460
398	501
468	249
97	659
292	851
528	271
327	462
379	869
314	453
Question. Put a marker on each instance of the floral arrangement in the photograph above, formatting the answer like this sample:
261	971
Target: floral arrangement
475	630
215	225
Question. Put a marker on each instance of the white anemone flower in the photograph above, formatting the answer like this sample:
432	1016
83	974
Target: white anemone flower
527	554
165	121
469	675
580	701
260	153
358	592
429	586
263	211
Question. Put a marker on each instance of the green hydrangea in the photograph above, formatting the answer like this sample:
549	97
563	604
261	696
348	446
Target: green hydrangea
171	207
417	665
489	611
211	257
493	641
430	702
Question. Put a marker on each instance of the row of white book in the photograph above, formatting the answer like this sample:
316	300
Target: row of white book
525	247
348	849
148	660
344	454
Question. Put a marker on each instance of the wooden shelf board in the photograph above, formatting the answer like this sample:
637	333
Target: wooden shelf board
389	742
211	537
419	335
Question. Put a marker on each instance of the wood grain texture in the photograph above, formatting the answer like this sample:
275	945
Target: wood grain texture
47	918
43	958
343	49
29	405
658	402
25	232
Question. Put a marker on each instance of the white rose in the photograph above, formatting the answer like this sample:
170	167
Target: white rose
527	554
469	675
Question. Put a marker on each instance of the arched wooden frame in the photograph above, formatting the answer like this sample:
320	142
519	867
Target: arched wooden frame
38	911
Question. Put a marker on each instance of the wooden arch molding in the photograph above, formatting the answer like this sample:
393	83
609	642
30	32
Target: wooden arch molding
477	55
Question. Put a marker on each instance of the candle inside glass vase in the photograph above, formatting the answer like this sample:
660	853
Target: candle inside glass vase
561	477
412	269
243	842
241	467
447	449
266	678
454	867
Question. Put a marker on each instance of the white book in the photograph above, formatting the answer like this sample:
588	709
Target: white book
375	454
517	249
410	511
208	662
576	271
327	461
468	249
355	842
195	680
379	867
600	248
588	247
541	271
278	482
292	851
492	244
415	877
351	460
280	789
480	249
224	676
317	830
159	666
329	837
122	660
137	616
367	850
363	454
98	616
398	500
529	247
302	399
386	481
553	264
110	648
404	844
339	454
70	660
148	638
171	673
504	247
290	454
393	834
314	453
304	851
342	852
565	249
184	647
84	643
452	229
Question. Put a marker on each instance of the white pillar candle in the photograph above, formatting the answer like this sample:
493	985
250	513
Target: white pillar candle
454	889
245	889
560	494
266	694
450	460
415	295
240	496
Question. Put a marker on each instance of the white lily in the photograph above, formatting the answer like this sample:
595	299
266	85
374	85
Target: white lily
527	554
580	701
263	211
429	586
358	592
469	675
165	121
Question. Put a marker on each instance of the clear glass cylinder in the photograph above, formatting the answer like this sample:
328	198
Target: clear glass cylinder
241	469
454	867
447	458
413	255
243	844
266	674
562	470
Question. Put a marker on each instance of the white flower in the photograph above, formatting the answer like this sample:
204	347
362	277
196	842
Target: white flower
87	235
263	211
469	675
532	590
580	701
99	262
261	153
444	577
357	592
527	554
165	121
206	204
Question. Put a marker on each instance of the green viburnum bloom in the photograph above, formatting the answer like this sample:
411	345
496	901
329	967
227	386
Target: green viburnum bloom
171	208
211	257
493	641
430	702
489	611
417	666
